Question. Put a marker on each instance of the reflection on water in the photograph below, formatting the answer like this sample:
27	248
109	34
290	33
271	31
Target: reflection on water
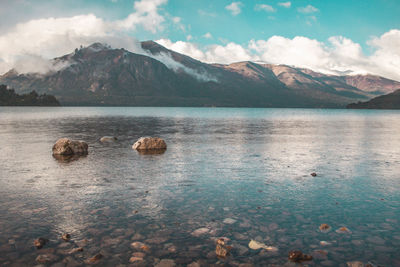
240	173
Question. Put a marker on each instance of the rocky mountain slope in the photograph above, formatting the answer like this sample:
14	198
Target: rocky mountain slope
100	75
389	101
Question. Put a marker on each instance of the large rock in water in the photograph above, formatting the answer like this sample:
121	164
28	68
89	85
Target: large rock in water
149	143
66	147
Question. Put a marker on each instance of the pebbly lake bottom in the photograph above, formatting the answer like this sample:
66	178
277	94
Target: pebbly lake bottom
242	174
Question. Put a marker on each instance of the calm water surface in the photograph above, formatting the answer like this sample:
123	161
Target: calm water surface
251	166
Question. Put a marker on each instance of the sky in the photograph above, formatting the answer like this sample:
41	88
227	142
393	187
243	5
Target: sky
330	36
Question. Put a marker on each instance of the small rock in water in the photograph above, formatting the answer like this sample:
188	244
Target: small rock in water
135	259
222	250
200	231
166	263
150	143
94	259
40	242
46	258
229	221
298	256
355	264
324	228
65	146
313	174
107	139
140	246
324	243
138	254
75	250
257	245
66	237
343	230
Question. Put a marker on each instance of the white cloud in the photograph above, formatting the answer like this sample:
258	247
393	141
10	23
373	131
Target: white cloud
52	37
235	8
207	35
308	9
176	19
285	4
146	14
337	55
264	7
189	37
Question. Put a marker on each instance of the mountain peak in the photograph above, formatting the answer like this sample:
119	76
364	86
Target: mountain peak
153	47
96	47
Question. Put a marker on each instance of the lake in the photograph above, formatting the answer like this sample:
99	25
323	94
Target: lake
242	174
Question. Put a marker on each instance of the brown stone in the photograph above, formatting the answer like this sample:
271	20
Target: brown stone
40	242
298	256
66	237
66	147
150	143
46	258
94	259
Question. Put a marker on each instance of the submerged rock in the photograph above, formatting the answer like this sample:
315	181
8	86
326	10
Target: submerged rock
166	263
108	139
355	264
140	246
65	147
313	174
257	245
94	259
75	250
150	143
40	242
200	231
135	259
324	228
222	250
343	230
298	256
46	258
66	237
229	221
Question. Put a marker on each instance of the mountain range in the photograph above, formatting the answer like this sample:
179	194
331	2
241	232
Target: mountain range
389	101
157	76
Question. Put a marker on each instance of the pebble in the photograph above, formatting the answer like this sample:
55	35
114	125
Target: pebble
46	258
324	228
343	230
135	259
355	264
40	242
229	221
66	237
75	250
166	263
200	231
96	258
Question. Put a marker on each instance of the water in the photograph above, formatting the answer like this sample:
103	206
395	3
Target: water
249	165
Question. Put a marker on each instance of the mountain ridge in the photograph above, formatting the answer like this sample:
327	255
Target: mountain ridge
101	75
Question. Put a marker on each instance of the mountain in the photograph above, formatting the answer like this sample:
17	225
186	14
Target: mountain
157	76
8	97
389	101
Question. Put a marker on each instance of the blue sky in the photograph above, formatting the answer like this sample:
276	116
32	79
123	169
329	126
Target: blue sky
362	36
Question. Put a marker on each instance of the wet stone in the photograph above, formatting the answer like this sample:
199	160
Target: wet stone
135	259
40	242
355	264
95	259
46	258
75	250
298	256
66	237
166	263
